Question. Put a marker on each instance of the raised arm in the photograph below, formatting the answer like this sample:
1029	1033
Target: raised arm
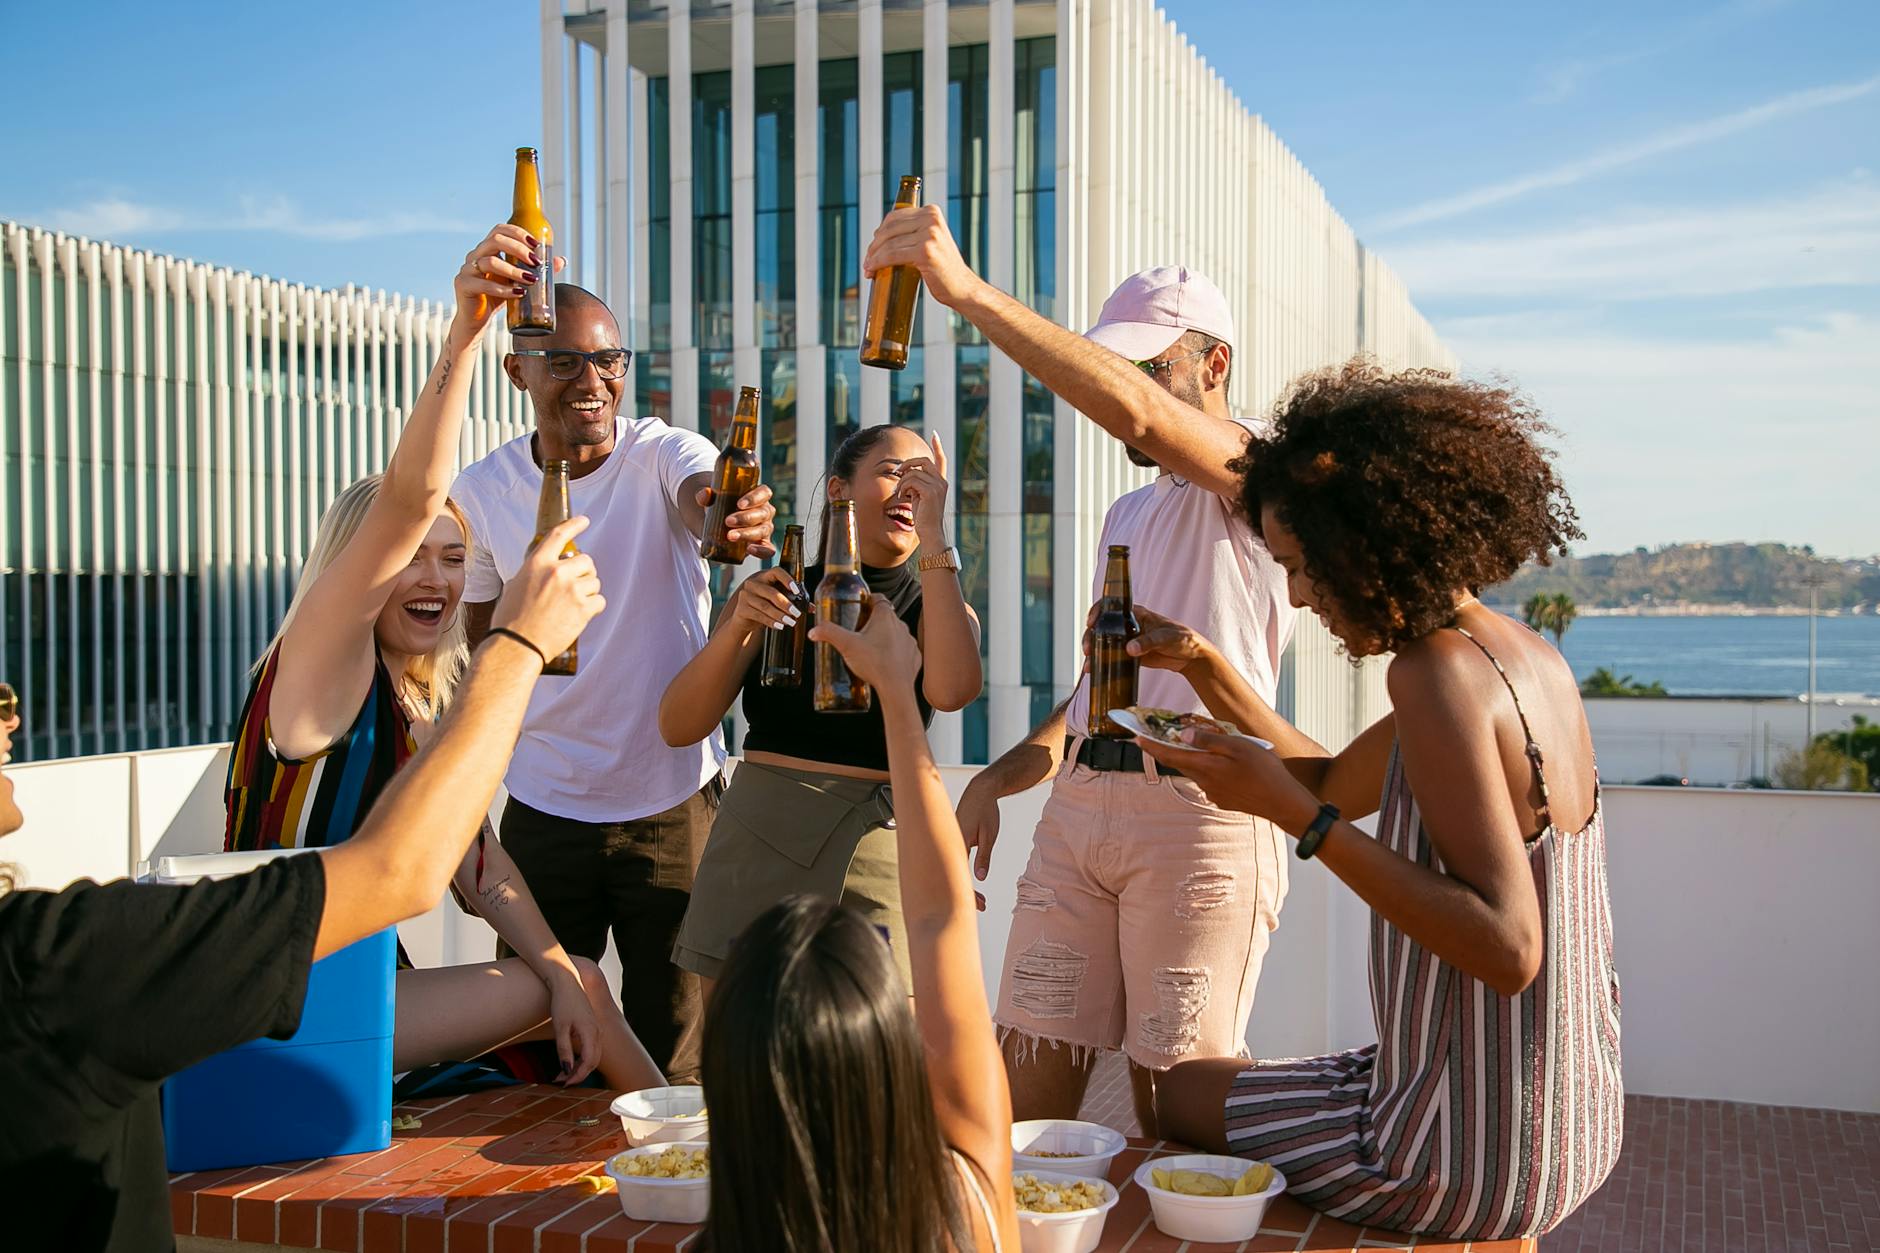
1098	383
701	693
326	656
399	862
964	1068
949	630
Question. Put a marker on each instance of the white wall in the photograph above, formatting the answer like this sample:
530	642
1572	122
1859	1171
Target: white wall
1744	921
1708	741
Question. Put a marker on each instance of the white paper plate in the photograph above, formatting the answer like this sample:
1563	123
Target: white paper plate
1135	726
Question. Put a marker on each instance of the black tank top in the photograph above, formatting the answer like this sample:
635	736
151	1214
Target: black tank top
782	720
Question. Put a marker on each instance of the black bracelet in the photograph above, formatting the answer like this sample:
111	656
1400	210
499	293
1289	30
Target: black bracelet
522	640
1310	838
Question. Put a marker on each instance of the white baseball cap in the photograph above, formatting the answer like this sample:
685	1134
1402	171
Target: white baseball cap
1149	311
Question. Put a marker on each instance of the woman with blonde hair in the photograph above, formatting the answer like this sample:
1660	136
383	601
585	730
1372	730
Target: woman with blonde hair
365	660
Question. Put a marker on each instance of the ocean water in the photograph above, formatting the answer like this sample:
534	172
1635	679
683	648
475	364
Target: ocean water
1730	656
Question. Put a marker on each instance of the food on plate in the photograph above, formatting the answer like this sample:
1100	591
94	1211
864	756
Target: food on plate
1207	1183
677	1162
1167	725
1049	1153
1039	1197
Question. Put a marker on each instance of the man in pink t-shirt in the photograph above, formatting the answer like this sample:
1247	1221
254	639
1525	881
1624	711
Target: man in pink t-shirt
1144	913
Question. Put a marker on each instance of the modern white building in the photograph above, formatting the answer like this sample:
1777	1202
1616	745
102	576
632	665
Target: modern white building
716	168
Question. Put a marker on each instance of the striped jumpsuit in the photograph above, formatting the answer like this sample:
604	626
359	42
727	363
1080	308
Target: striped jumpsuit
1476	1115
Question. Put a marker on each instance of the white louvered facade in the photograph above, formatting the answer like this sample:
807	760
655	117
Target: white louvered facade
1155	161
170	434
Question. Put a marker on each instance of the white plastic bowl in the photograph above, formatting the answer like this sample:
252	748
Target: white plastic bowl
661	1200
1094	1145
1074	1231
659	1115
1207	1217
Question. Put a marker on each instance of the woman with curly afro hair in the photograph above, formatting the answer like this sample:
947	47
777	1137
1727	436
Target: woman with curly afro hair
1491	1105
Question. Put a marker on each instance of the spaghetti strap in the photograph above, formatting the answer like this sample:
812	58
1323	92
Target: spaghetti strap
1533	749
979	1195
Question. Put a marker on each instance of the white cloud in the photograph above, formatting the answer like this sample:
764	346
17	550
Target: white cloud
1686	136
113	218
1562	80
1764	436
1829	237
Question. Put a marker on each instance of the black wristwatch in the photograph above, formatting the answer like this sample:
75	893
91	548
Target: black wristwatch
1310	837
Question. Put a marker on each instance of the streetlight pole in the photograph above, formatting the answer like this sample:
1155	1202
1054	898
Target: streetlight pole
1814	604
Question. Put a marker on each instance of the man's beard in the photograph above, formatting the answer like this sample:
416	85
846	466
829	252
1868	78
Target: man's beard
1188	391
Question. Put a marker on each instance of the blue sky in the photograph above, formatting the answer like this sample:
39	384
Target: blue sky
1663	220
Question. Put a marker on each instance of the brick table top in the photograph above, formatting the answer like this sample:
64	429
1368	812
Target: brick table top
501	1171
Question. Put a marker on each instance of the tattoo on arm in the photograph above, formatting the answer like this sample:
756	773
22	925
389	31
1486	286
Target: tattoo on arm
497	895
443	371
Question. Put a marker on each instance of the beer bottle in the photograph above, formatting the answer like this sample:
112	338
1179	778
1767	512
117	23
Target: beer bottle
533	312
783	650
550	512
1112	670
734	475
841	600
892	295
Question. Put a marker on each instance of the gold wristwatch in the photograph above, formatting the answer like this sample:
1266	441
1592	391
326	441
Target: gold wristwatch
947	558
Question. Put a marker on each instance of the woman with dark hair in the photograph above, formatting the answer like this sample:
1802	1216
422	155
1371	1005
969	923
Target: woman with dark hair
808	810
861	1123
1491	1105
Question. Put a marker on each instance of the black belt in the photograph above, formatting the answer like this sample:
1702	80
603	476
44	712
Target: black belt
1113	755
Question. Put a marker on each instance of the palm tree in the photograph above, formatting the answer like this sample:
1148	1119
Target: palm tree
1539	611
1562	615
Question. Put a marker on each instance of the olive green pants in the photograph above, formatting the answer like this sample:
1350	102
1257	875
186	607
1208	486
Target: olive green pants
782	832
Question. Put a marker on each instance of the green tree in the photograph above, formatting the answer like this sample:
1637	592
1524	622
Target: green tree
1564	612
1859	743
1820	767
1539	611
1603	682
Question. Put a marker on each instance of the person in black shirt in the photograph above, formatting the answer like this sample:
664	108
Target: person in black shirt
808	810
108	989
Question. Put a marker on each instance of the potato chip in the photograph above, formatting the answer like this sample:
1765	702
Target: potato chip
1036	1196
677	1162
1206	1183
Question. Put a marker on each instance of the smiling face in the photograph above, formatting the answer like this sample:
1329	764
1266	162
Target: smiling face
426	593
572	415
884	513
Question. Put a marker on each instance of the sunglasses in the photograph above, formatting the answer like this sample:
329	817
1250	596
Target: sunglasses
566	363
1152	368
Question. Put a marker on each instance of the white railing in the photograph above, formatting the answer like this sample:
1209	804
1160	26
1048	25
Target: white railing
1744	921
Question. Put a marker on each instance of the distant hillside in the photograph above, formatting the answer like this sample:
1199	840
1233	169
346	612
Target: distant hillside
1760	576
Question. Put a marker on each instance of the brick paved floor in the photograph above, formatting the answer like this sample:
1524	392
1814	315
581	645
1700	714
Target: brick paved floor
1694	1175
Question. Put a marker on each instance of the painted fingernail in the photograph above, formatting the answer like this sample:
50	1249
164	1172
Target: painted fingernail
796	589
520	291
531	240
533	260
776	626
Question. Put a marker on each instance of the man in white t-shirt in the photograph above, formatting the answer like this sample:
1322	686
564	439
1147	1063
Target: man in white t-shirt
605	821
1144	913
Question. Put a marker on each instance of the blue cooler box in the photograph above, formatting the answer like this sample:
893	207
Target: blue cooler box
325	1090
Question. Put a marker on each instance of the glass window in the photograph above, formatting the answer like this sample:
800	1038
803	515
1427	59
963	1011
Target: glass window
1035	201
711	210
658	332
777	421
1036	530
775	151
839	199
971	485
967	79
652	384
843	384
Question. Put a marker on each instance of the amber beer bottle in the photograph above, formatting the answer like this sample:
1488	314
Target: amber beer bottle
842	600
892	295
783	650
734	475
1112	670
550	512
533	312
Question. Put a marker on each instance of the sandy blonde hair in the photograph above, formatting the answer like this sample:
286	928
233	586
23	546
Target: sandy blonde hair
432	677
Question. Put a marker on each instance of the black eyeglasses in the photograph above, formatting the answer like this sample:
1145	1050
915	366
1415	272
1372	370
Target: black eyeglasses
566	363
1152	368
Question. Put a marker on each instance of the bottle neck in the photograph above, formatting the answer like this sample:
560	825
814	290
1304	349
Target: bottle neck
792	557
1116	580
553	509
909	195
528	195
842	558
744	433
